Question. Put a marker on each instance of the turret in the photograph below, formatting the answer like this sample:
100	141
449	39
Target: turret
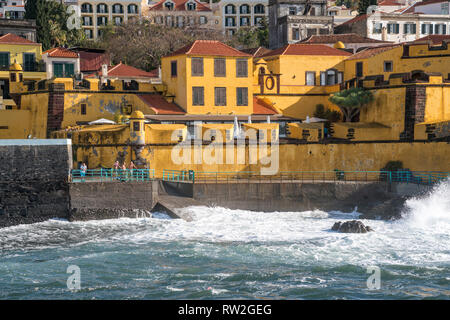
15	78
137	136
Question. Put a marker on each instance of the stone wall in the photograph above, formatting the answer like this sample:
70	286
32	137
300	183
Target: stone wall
33	180
107	200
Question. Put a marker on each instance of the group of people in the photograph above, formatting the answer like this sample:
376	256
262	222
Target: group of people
117	166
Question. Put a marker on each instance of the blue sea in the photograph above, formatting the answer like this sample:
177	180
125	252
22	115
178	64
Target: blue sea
232	254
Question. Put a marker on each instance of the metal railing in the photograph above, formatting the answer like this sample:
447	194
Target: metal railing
178	175
417	177
107	174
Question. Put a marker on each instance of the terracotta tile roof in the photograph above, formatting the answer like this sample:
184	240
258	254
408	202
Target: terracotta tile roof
180	5
123	70
257	52
434	39
355	19
389	3
260	107
373	51
60	53
344	37
10	38
210	48
307	49
160	105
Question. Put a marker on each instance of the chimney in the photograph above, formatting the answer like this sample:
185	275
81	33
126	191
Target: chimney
384	34
104	70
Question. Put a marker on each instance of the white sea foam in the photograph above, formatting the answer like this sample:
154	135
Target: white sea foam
422	237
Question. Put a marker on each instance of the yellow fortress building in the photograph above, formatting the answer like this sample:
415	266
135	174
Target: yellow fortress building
211	96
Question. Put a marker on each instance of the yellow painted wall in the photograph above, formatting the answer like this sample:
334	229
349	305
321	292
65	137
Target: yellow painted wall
181	86
15	124
416	156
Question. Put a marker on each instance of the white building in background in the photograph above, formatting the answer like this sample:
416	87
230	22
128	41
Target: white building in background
242	13
12	9
96	14
403	25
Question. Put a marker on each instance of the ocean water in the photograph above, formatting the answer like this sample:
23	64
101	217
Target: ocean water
233	254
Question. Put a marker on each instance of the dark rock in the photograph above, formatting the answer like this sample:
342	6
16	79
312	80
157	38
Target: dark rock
353	226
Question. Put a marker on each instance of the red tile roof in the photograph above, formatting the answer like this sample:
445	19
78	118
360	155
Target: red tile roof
373	51
257	52
355	19
210	48
61	53
125	71
389	3
180	5
307	49
260	107
434	39
10	38
122	70
160	105
344	37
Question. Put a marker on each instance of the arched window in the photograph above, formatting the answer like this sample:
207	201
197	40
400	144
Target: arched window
259	9
230	9
102	8
132	8
86	8
169	5
191	6
117	8
244	9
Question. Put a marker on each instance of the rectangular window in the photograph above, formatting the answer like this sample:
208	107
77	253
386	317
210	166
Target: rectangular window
220	96
340	77
61	70
136	126
241	68
4	60
83	108
388	66
323	78
198	94
292	11
197	67
409	28
242	96
29	62
219	67
295	34
393	28
359	69
310	78
173	68
377	27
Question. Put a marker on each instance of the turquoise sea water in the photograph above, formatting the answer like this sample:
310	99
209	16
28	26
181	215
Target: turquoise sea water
232	254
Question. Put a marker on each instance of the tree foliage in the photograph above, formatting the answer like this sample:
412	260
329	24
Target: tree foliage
350	101
325	113
51	23
364	4
141	44
252	37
